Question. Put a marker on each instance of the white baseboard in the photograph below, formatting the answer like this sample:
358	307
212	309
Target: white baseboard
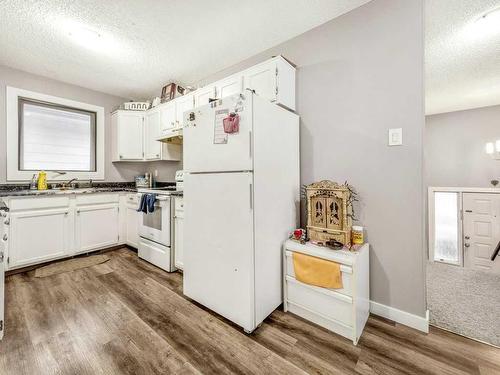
402	317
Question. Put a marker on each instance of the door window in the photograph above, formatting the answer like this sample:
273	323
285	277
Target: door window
153	220
446	229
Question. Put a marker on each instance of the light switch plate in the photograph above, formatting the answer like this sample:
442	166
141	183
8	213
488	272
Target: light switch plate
396	137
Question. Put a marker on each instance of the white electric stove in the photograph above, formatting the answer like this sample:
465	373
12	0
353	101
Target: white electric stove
155	229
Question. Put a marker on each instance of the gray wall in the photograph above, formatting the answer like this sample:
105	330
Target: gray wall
113	171
358	76
455	148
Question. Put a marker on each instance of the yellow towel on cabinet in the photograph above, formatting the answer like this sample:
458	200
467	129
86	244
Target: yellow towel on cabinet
317	271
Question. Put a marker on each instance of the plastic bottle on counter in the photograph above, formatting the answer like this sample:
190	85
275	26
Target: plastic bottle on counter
42	180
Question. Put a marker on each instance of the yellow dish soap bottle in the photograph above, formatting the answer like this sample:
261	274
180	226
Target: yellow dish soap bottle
42	180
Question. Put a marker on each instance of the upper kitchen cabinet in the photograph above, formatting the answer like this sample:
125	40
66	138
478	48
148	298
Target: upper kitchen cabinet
127	128
274	80
152	148
229	86
182	104
167	116
135	137
202	96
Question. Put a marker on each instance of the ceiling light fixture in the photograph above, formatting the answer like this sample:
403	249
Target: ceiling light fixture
488	24
85	36
90	37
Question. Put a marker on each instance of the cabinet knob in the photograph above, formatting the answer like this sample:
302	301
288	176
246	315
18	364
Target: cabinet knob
157	155
121	156
5	237
7	222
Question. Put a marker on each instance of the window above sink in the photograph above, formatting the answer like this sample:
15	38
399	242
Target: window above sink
63	137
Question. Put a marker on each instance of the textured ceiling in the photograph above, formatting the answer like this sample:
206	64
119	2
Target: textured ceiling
140	45
462	57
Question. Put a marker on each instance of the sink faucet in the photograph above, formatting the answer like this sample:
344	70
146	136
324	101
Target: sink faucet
65	185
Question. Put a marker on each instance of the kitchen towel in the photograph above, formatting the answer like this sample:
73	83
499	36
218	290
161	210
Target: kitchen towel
147	203
150	202
317	271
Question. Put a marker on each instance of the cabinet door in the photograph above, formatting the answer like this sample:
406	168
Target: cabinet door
183	104
96	227
152	149
132	226
229	86
178	233
202	96
262	79
130	135
38	236
167	117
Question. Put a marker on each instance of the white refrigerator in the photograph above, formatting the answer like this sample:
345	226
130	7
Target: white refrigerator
241	200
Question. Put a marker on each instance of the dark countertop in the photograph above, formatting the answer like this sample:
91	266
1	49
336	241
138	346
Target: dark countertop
11	190
36	193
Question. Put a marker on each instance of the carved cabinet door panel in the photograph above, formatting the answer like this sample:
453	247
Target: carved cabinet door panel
334	213
318	212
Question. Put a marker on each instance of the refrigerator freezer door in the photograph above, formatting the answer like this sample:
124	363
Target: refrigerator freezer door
218	244
207	148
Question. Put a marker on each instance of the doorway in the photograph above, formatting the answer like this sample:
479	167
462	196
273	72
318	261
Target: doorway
463	272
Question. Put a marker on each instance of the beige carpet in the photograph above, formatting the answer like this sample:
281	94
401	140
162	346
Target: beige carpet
70	265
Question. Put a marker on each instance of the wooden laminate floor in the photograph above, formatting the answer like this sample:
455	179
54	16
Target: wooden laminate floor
129	317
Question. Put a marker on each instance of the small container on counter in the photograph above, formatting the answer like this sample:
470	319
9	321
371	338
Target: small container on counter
357	235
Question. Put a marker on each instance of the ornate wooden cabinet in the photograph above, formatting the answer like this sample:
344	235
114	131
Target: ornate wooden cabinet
329	212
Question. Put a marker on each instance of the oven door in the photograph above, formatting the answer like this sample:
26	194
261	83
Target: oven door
156	226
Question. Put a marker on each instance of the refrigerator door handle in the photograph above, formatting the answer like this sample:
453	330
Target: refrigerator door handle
251	197
250	143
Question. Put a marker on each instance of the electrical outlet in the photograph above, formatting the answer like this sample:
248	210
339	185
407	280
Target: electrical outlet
396	137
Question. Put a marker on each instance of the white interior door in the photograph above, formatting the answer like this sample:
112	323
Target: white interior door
218	244
481	230
207	148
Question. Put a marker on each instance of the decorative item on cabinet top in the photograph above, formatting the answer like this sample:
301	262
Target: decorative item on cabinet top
135	106
173	90
330	212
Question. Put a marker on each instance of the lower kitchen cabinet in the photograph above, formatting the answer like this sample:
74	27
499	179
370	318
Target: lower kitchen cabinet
178	233
132	218
37	236
96	227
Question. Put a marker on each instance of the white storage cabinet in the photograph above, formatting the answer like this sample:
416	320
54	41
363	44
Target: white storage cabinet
178	232
38	230
343	311
96	222
128	135
135	134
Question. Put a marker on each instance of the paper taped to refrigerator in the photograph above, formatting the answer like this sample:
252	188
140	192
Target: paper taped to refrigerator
220	137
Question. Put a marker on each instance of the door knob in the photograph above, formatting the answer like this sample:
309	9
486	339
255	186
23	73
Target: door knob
467	245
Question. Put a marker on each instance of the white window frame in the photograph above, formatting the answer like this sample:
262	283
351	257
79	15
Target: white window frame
431	216
13	172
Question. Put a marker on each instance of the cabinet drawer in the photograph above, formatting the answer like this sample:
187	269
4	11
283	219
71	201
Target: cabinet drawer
346	275
324	302
132	199
97	198
37	203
